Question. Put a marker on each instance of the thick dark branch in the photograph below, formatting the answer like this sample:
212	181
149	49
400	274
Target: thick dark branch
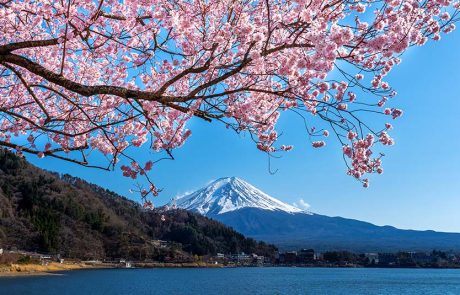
82	89
51	153
7	48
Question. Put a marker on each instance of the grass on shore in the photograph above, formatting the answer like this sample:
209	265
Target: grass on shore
38	269
18	269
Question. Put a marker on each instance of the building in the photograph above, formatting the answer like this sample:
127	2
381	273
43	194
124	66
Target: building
1	251
242	258
372	257
318	256
221	258
387	258
281	258
45	259
290	257
160	243
257	260
306	256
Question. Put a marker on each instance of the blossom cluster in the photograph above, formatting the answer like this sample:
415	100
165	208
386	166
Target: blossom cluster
115	75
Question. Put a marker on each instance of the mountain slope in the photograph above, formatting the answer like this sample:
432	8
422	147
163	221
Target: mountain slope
293	230
44	211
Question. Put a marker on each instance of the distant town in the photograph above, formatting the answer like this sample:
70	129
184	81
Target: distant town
300	258
308	257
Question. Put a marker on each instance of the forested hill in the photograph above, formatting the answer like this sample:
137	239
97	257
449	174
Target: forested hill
47	212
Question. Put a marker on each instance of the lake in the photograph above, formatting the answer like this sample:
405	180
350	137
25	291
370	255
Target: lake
239	281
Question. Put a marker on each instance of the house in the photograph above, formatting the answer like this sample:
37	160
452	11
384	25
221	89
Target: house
45	259
160	243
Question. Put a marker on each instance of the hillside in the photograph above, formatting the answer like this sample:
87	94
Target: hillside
43	211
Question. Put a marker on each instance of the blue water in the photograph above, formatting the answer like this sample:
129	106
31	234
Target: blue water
239	281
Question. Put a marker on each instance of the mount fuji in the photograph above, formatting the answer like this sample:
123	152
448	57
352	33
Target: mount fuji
230	194
254	213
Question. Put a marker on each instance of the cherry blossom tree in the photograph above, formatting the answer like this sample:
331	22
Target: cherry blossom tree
86	76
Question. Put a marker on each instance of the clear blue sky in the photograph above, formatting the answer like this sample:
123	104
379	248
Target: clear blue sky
420	188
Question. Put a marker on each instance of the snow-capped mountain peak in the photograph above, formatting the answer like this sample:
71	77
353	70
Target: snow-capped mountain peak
230	194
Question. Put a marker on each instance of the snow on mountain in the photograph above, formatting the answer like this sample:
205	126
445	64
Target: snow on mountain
229	194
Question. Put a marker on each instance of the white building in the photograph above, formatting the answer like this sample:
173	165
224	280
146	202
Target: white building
1	251
373	257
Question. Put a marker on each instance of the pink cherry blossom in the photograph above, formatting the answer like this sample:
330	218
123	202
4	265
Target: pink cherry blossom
148	166
148	205
113	76
351	135
385	139
342	106
318	144
286	148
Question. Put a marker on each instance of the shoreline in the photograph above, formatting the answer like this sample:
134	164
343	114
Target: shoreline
19	270
26	274
177	265
55	269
